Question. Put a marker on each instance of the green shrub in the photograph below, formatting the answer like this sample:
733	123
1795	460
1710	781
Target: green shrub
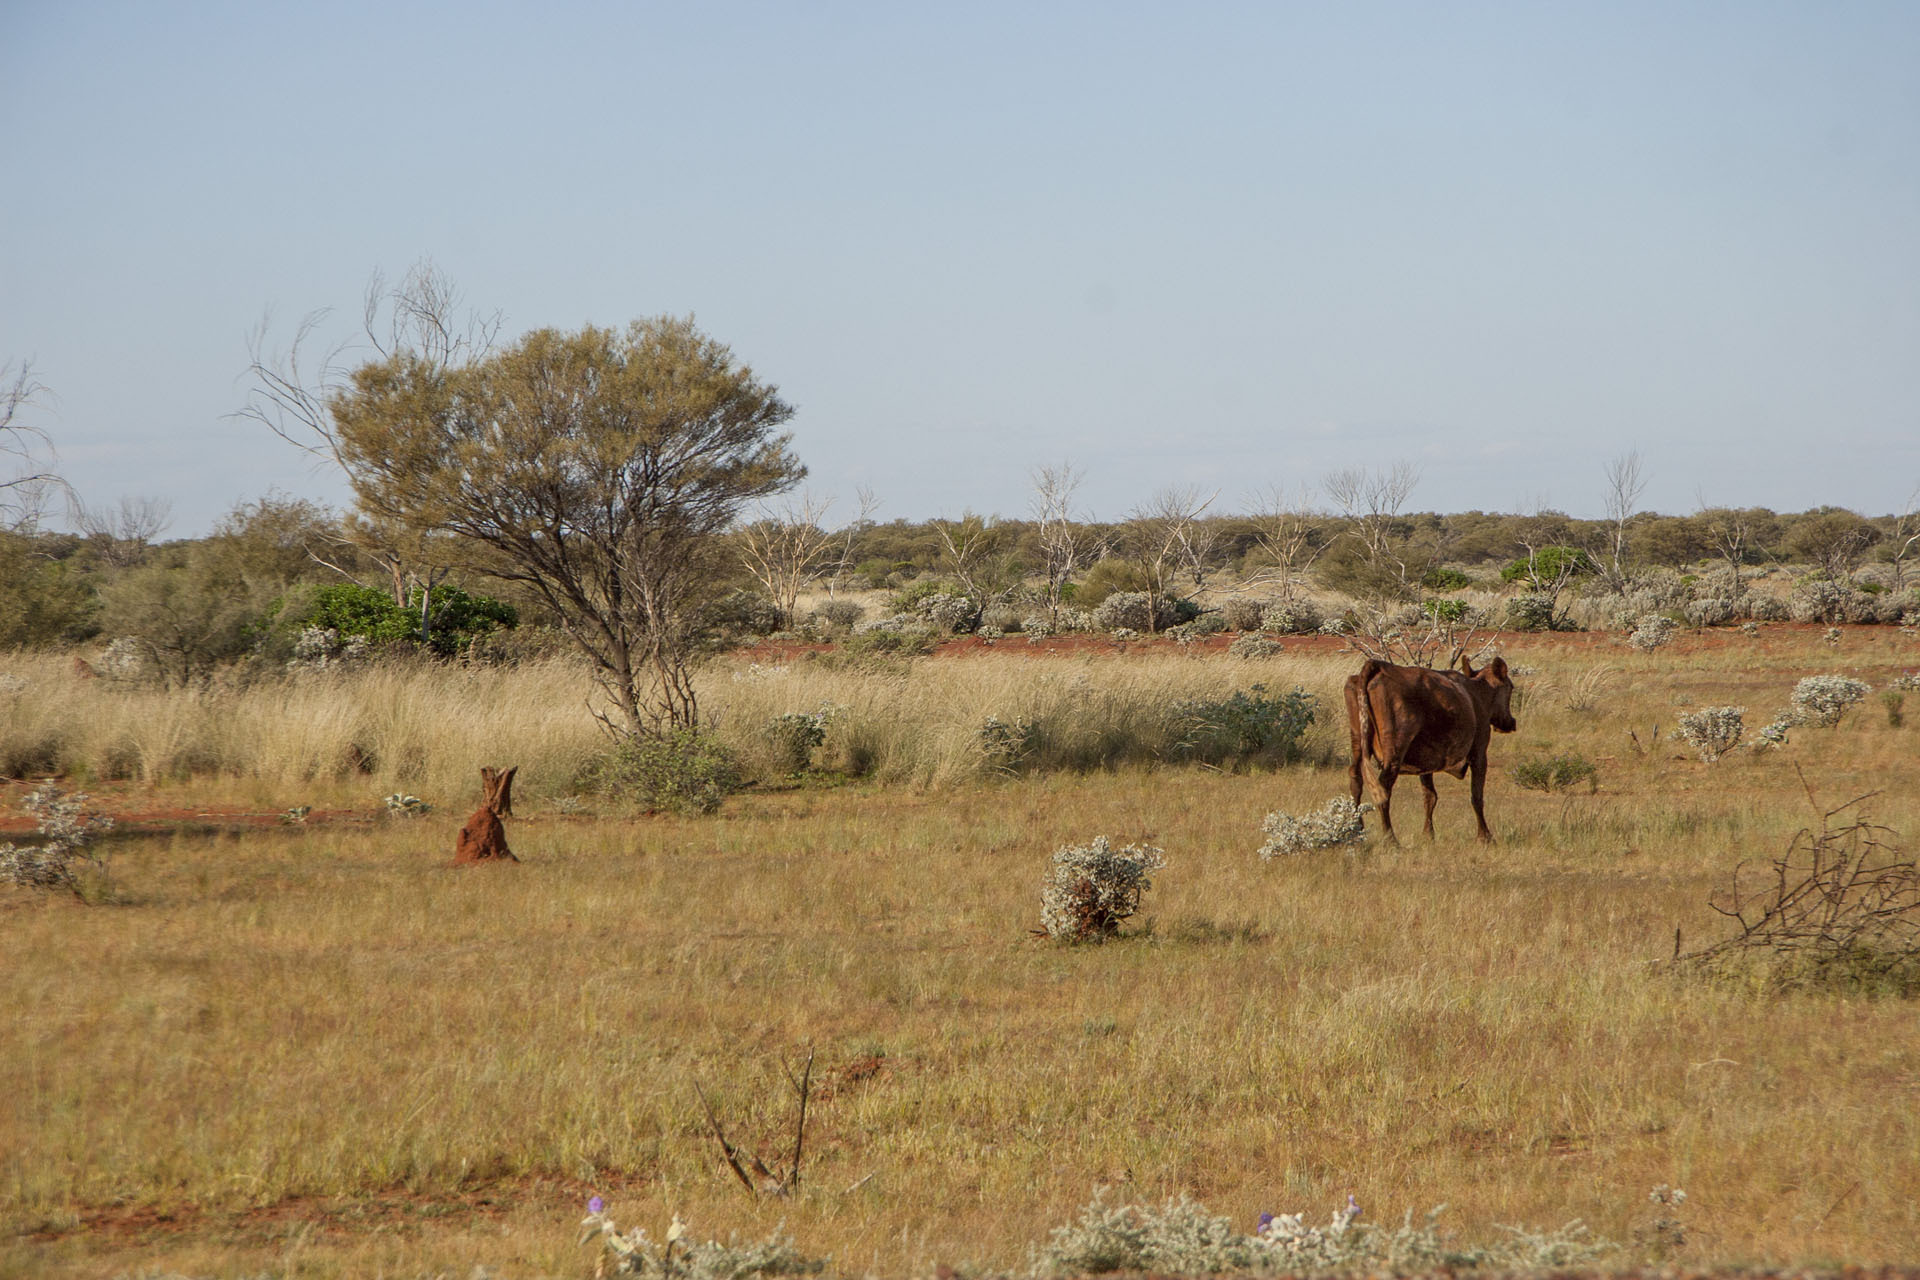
1450	611
1106	577
1556	773
1548	564
685	771
1438	579
1534	611
1250	724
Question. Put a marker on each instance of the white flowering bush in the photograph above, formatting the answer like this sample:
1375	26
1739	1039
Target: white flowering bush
1183	1238
635	1253
1712	731
68	829
1653	631
1090	889
1824	699
1339	823
402	805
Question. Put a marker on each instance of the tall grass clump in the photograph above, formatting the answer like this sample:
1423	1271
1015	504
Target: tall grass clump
941	721
388	725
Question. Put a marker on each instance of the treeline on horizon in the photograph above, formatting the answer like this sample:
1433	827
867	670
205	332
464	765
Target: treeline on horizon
274	567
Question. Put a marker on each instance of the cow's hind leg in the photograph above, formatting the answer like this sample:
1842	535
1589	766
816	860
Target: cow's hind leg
1383	778
1431	797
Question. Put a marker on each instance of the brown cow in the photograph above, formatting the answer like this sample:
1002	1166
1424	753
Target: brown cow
1419	720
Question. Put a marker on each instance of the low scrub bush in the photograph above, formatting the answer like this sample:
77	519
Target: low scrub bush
1251	644
635	1253
1535	611
1653	631
1438	579
1556	773
1182	1238
1712	731
1092	888
685	771
1339	823
1249	724
1241	613
793	737
1299	617
1711	612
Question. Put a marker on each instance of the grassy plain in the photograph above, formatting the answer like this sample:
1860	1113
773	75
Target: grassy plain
318	1050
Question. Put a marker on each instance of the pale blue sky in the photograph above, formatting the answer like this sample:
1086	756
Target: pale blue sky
1227	245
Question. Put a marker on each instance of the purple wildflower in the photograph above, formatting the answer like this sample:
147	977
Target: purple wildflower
1266	1220
596	1204
1353	1206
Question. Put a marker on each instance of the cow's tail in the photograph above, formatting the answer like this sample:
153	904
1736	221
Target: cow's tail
1371	668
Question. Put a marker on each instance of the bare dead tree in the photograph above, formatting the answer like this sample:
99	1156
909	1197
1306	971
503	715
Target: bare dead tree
784	549
23	496
120	534
1842	903
849	537
765	1180
1904	538
1373	502
1164	541
1059	534
1626	479
1287	536
970	550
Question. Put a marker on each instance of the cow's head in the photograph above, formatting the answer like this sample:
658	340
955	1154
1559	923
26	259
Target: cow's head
1494	676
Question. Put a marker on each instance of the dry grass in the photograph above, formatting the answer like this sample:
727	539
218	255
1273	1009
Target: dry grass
279	1030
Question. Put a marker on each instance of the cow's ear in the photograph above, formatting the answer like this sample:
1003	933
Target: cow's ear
1498	667
1466	665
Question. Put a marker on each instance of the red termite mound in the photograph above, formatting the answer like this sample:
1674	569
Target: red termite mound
483	838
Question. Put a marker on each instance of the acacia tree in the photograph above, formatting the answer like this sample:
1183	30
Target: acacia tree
599	469
417	318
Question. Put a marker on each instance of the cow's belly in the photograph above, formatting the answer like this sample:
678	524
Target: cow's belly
1426	756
